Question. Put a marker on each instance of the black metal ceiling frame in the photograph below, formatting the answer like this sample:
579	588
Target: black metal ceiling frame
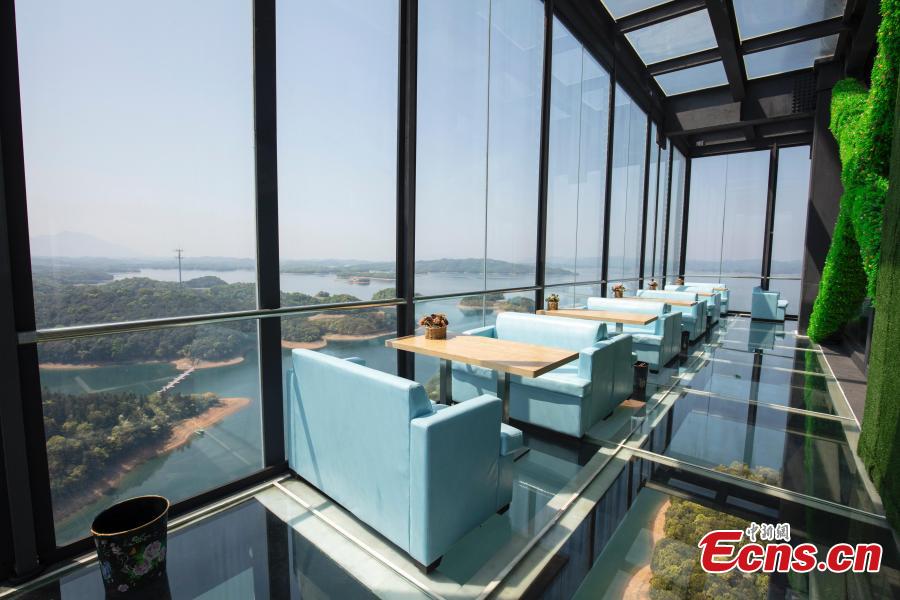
744	114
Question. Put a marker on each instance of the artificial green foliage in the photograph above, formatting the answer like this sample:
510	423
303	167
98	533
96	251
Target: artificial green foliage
879	442
862	123
843	282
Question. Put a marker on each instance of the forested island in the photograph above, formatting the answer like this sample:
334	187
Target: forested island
100	270
93	438
63	304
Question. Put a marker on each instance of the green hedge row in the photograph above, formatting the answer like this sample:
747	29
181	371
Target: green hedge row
862	124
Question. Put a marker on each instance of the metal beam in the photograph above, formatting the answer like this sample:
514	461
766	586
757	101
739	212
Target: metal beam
607	192
793	36
797	139
685	208
643	256
696	59
721	15
770	217
406	178
658	14
863	44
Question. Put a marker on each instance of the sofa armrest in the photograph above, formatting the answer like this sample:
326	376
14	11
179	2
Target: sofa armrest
486	331
454	463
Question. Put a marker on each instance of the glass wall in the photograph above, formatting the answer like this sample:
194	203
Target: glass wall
579	130
337	149
478	143
626	209
726	222
789	224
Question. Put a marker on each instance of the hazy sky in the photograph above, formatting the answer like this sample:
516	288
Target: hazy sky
138	122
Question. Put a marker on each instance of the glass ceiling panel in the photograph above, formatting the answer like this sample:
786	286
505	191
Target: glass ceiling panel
759	17
623	8
789	58
695	78
673	38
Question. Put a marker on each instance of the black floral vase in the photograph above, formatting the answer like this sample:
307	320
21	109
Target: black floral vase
131	543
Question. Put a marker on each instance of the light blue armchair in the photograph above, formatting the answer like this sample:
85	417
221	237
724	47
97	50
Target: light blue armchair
693	318
697	286
569	399
713	303
421	475
656	343
767	305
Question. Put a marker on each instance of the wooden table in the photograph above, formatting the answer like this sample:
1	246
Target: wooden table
503	356
665	300
620	318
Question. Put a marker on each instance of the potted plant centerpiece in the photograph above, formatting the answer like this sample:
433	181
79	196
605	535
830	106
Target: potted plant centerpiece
619	290
654	285
435	326
679	281
553	302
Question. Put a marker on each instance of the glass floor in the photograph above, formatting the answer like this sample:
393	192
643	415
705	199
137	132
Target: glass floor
749	426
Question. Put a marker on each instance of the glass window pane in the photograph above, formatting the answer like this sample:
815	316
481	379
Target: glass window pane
337	147
789	223
676	37
134	148
789	58
759	17
451	146
707	211
626	209
517	57
579	124
692	79
171	411
478	133
676	214
745	213
622	8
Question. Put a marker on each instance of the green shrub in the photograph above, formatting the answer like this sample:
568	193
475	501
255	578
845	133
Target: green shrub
862	123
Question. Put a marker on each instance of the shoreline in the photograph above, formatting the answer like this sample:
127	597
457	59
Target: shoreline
181	364
334	337
182	434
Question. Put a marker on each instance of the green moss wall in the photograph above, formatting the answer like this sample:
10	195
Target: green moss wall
879	444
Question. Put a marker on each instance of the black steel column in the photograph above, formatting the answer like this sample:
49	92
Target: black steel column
770	217
406	178
268	282
685	207
540	278
825	191
21	413
644	214
607	198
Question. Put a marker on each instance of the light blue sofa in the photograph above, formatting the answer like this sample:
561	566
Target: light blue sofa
767	305
656	343
420	474
713	303
569	399
693	318
697	286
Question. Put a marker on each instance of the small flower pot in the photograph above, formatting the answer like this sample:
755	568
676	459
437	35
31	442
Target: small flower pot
436	333
654	285
552	305
619	293
131	543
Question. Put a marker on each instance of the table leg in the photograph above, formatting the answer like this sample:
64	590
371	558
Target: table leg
620	328
503	393
445	387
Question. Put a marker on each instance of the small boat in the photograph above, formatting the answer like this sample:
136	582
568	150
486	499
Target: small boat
200	432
